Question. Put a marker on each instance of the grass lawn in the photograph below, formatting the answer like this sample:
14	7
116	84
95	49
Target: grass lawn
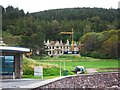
70	61
69	65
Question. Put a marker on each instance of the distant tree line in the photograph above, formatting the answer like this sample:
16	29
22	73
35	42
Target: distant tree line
100	45
90	26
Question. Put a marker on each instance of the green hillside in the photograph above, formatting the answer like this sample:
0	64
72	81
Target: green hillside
31	29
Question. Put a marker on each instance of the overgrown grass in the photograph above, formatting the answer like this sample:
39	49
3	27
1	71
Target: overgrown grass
48	69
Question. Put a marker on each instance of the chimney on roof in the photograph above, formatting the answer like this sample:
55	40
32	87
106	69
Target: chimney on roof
67	42
61	42
48	42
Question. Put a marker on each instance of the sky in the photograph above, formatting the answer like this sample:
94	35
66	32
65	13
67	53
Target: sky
41	5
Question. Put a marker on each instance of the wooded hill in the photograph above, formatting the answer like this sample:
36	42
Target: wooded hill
31	29
77	14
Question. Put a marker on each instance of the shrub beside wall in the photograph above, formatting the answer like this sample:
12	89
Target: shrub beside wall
48	69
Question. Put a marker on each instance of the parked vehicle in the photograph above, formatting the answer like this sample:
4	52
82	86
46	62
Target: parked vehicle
79	69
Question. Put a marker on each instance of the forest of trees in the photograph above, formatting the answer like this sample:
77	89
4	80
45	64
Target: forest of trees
96	28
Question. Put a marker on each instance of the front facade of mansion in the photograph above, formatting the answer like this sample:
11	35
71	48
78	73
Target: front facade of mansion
56	48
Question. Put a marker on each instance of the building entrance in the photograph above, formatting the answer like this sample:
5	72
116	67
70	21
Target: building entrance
7	67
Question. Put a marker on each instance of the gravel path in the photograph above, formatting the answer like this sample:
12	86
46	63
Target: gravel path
91	70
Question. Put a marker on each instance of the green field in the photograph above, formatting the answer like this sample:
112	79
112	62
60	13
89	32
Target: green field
69	65
52	66
70	61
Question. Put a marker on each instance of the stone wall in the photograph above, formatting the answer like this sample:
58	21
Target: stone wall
97	80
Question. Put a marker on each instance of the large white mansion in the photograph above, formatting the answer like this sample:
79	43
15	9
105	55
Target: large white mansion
55	48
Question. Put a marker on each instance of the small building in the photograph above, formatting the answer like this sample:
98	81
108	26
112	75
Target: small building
11	61
55	48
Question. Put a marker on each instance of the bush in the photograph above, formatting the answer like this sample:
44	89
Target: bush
97	54
51	71
48	69
68	56
100	45
28	71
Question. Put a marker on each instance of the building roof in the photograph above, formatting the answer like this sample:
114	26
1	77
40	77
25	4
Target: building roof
19	49
56	43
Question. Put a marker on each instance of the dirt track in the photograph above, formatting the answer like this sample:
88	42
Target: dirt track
91	70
